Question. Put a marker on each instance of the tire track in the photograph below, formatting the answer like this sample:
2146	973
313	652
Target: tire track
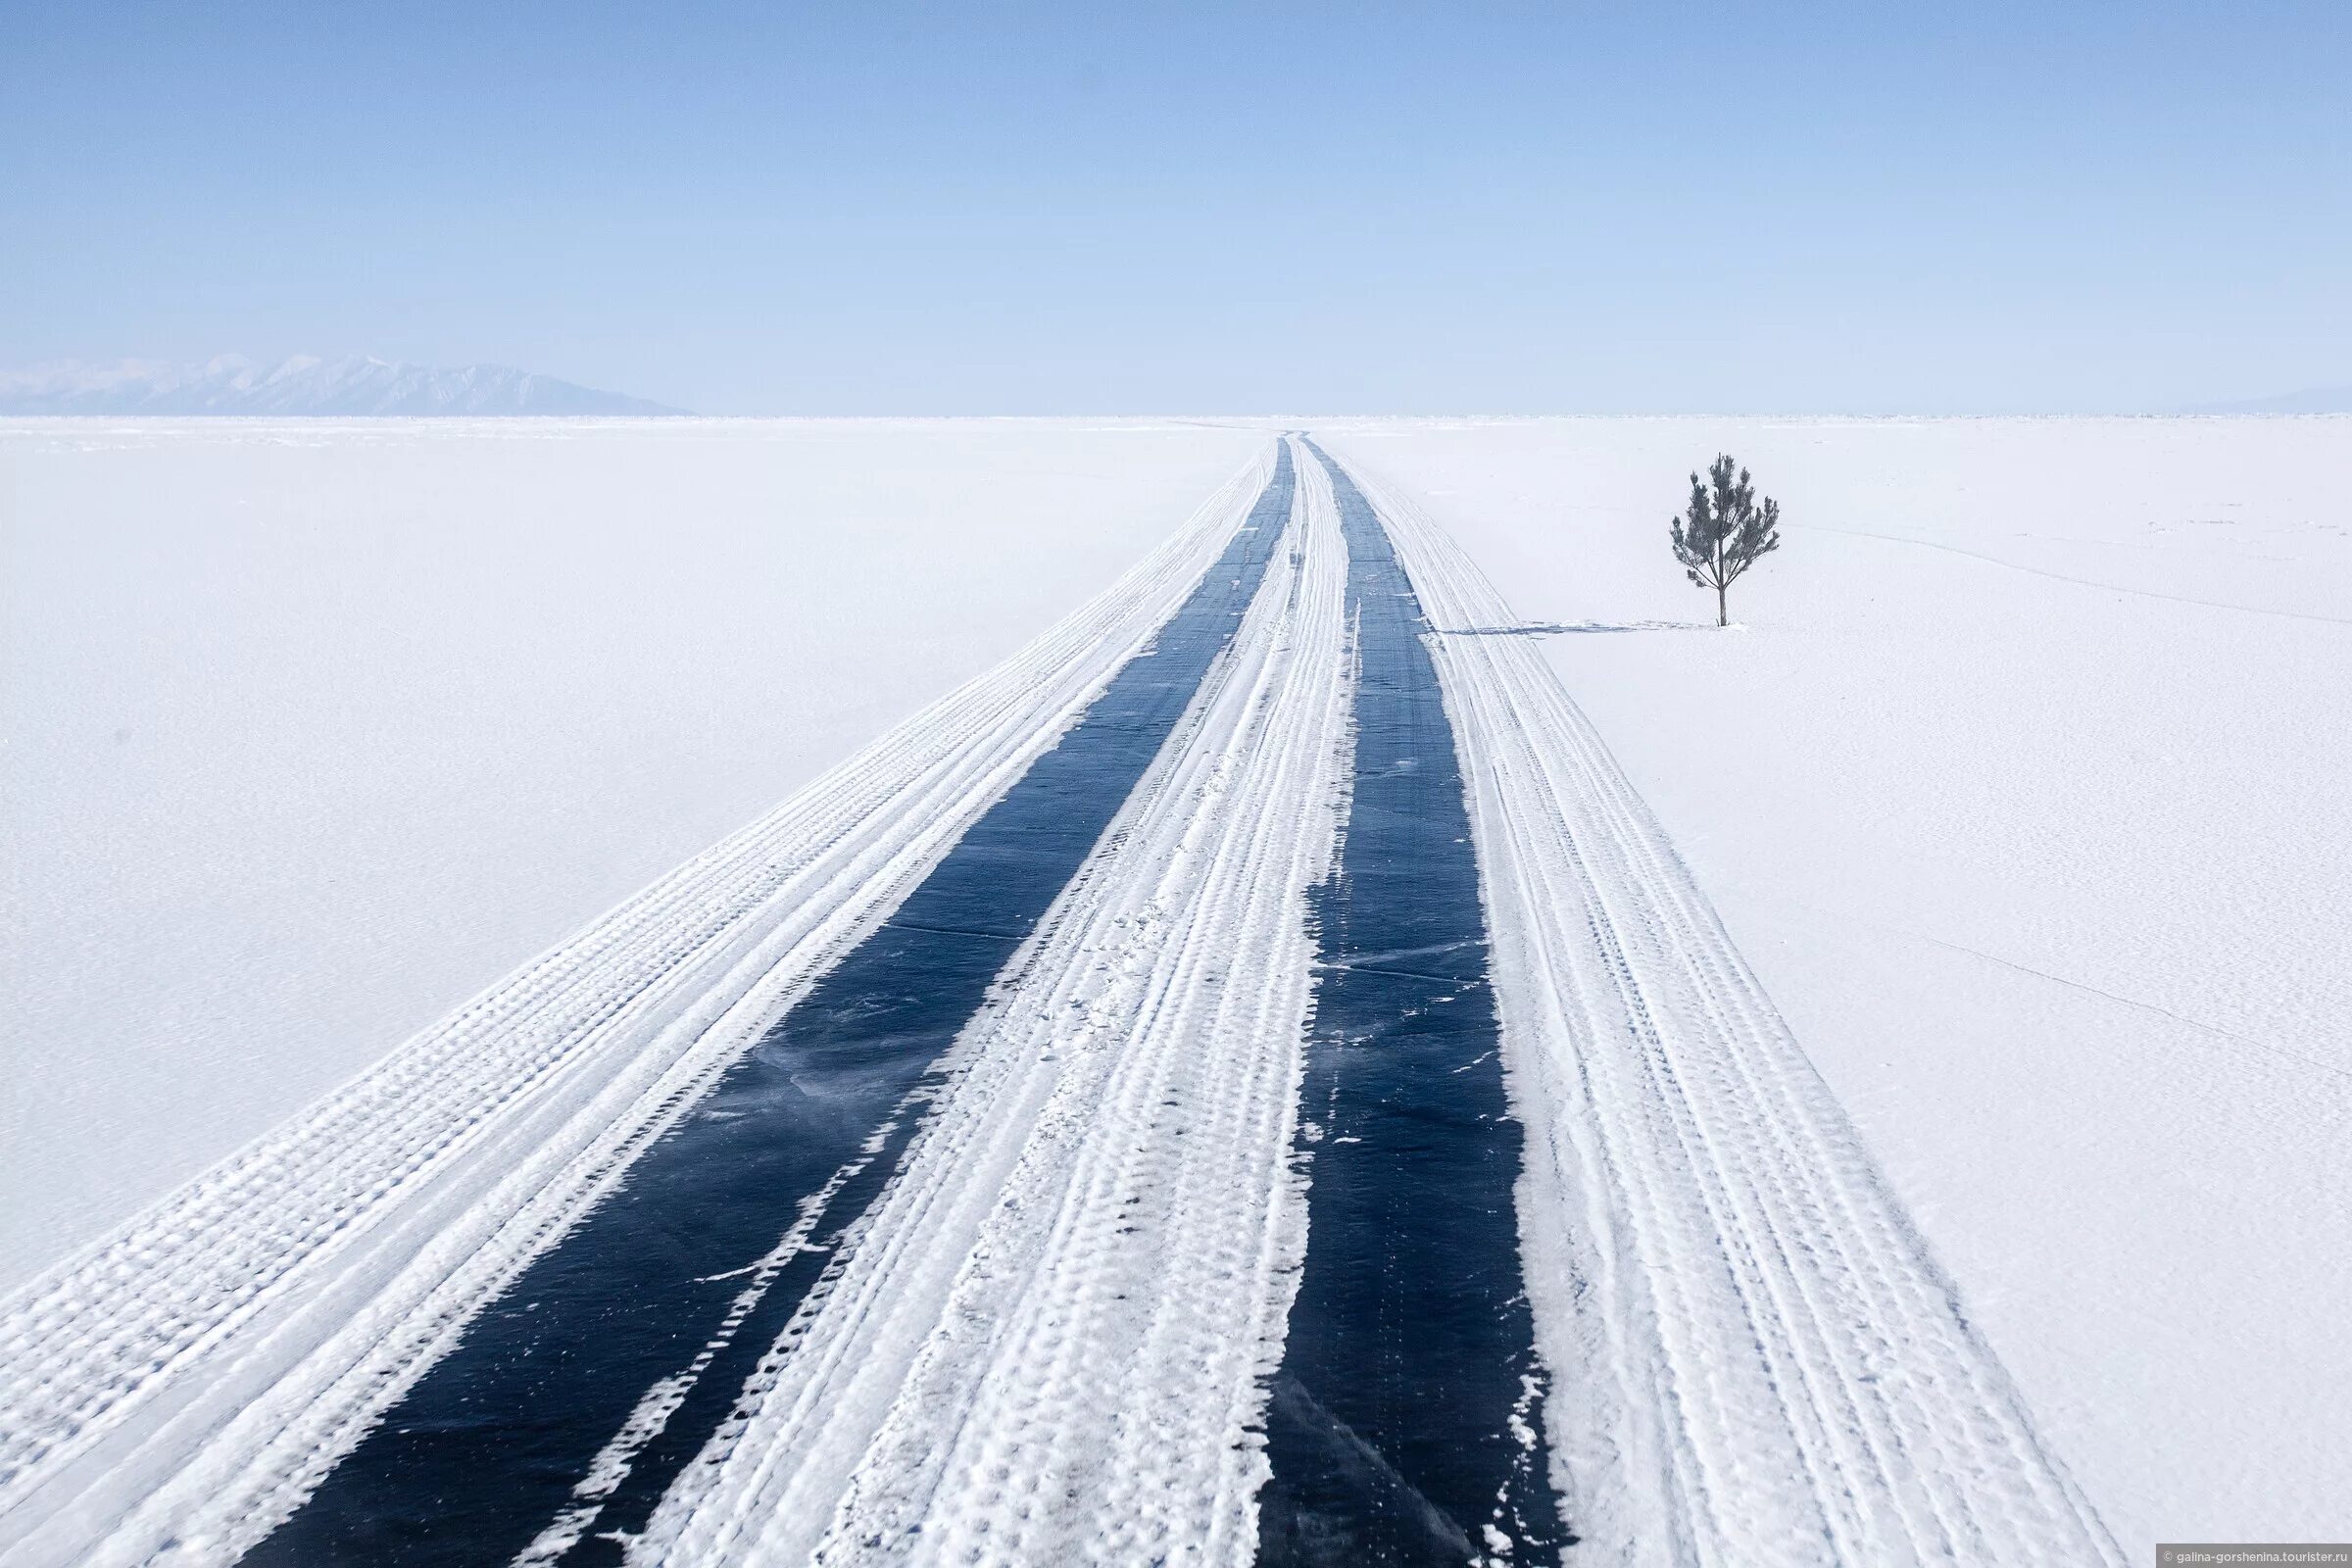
606	1363
1759	1361
177	1388
1051	1342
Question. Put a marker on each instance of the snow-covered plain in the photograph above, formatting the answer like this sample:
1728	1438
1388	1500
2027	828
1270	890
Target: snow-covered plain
2026	792
314	729
2023	792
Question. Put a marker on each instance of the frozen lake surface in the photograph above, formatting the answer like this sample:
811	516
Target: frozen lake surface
1992	1137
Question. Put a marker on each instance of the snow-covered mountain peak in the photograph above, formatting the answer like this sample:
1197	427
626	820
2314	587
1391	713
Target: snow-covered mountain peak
303	385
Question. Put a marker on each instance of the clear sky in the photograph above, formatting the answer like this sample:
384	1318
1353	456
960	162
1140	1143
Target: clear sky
1979	206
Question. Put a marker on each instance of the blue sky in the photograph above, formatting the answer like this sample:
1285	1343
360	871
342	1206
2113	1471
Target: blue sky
883	207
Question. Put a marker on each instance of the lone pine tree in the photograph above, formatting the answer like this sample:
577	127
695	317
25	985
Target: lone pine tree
1726	532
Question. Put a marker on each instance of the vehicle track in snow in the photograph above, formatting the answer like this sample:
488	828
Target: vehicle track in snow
1755	1358
1050	1341
177	1387
1036	1313
572	1400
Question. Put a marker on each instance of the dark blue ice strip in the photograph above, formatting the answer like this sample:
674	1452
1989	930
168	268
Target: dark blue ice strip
485	1450
1411	1350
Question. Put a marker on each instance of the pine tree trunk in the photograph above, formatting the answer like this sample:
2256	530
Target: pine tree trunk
1723	616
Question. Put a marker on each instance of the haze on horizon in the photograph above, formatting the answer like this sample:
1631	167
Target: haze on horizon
1059	209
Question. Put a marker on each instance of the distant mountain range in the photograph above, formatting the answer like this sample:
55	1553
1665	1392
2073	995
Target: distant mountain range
302	385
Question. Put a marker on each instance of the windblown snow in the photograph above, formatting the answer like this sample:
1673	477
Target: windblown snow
1972	1188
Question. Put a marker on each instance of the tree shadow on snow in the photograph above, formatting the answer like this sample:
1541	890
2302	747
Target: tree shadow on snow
1552	628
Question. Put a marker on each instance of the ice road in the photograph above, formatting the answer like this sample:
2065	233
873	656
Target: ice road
1247	1079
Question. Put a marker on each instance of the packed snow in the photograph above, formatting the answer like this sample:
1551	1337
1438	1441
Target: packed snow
1053	1341
313	730
2025	786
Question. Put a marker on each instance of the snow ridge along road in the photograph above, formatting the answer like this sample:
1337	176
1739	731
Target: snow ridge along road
1755	1359
174	1390
1051	1342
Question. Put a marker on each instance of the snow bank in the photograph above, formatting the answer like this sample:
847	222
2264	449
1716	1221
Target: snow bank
2027	793
312	730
